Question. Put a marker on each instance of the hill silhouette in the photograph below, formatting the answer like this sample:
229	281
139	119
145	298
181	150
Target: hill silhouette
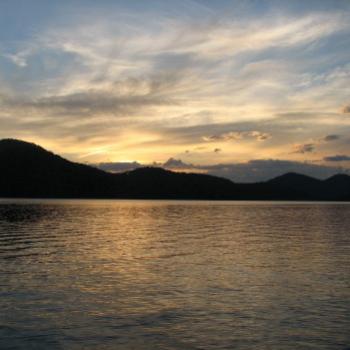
28	170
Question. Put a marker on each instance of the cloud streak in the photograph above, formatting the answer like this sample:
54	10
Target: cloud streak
225	85
238	135
304	148
337	158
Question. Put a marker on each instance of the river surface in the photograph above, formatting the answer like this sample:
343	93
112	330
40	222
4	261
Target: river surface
174	275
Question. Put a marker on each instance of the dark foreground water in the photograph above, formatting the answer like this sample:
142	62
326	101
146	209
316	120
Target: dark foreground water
174	275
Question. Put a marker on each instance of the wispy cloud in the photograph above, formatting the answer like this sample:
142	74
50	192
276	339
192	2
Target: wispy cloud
304	148
238	135
337	158
176	78
19	59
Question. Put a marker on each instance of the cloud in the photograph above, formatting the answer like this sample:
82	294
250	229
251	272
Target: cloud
346	109
310	147
260	136
165	80
217	150
330	138
304	148
172	163
337	158
120	97
18	59
237	135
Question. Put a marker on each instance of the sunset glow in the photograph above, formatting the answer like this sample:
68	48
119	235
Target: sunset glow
208	83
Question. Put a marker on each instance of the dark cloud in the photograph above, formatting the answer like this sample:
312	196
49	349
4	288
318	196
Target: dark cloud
310	147
330	138
337	158
85	104
97	102
120	98
237	135
304	148
217	150
346	109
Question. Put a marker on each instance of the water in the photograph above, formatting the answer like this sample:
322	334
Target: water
174	275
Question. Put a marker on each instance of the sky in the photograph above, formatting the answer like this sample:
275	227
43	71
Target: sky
246	89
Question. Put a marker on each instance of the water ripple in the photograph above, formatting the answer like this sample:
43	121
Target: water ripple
174	275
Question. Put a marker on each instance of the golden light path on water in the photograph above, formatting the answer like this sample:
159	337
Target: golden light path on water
174	275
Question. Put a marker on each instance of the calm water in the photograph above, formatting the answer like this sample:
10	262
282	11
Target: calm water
174	275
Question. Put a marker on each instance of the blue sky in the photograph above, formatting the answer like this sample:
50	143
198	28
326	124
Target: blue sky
217	84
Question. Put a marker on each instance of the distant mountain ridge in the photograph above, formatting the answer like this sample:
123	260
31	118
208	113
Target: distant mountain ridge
28	170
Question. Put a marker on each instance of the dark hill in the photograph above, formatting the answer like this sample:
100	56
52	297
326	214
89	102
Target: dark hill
294	180
28	170
160	183
302	186
337	187
338	180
